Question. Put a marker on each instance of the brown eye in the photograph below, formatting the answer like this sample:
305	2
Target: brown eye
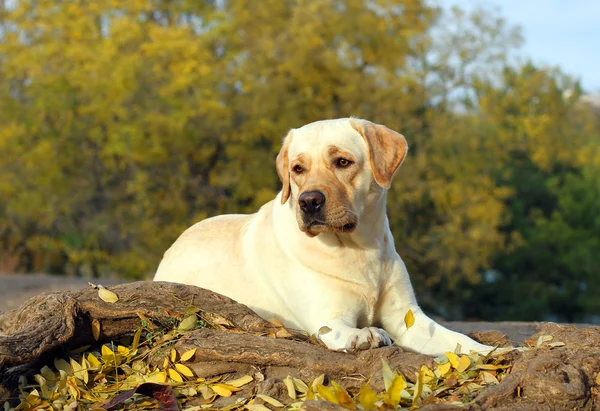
298	169
343	163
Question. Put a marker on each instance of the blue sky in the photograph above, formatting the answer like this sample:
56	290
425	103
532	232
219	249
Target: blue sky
563	33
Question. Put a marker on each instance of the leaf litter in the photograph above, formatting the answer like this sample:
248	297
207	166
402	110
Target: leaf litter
116	376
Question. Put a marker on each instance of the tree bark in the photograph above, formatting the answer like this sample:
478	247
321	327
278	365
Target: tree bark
48	325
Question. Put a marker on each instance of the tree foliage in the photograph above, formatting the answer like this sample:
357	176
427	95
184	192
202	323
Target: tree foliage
122	123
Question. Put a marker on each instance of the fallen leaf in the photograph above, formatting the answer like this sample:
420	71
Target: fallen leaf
409	319
300	385
136	339
174	375
418	389
444	368
270	400
488	378
324	330
183	370
463	364
107	295
367	397
188	323
240	381
173	354
542	339
96	329
453	358
221	390
256	407
276	322
388	375
557	344
327	393
188	354
343	398
291	389
61	364
398	384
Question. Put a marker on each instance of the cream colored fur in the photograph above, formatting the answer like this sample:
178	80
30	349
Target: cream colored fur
344	280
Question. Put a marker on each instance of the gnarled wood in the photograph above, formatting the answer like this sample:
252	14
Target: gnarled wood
49	324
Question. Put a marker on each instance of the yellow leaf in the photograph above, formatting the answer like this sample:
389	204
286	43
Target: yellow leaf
94	361
183	370
270	400
96	329
206	392
43	385
188	354
463	364
221	390
158	377
166	362
327	393
188	323
453	358
388	375
256	407
598	378
542	339
488	367
240	381
418	389
427	374
107	351
48	374
343	398
398	384
488	378
367	397
300	386
173	354
84	370
136	339
72	388
107	295
61	364
445	368
124	351
409	319
174	375
289	384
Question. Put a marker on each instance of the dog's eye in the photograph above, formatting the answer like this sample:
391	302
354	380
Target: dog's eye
343	163
298	169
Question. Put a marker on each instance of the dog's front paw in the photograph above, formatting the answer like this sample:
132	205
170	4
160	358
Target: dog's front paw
368	337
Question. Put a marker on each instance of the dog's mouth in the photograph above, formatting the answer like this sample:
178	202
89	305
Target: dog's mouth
317	227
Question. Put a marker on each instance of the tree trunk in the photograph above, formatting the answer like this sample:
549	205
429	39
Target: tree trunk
51	323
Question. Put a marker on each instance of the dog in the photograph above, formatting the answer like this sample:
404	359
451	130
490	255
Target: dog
320	257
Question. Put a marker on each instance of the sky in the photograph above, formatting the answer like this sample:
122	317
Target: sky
563	33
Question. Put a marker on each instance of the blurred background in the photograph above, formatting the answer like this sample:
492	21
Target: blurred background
124	122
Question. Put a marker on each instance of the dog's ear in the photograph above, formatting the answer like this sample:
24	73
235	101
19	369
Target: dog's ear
387	149
283	167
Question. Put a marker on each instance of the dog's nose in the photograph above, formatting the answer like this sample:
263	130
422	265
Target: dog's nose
311	201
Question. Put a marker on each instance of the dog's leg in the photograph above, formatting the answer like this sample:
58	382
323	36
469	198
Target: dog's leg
425	336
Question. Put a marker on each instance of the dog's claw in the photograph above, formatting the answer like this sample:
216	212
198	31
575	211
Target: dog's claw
366	338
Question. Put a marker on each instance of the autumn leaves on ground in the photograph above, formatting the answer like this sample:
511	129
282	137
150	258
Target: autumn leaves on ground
148	344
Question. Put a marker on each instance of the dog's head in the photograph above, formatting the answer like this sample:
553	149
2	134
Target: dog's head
334	170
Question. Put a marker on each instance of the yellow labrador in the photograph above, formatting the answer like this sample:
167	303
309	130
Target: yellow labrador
320	257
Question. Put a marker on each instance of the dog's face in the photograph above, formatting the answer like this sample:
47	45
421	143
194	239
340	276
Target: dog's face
333	170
